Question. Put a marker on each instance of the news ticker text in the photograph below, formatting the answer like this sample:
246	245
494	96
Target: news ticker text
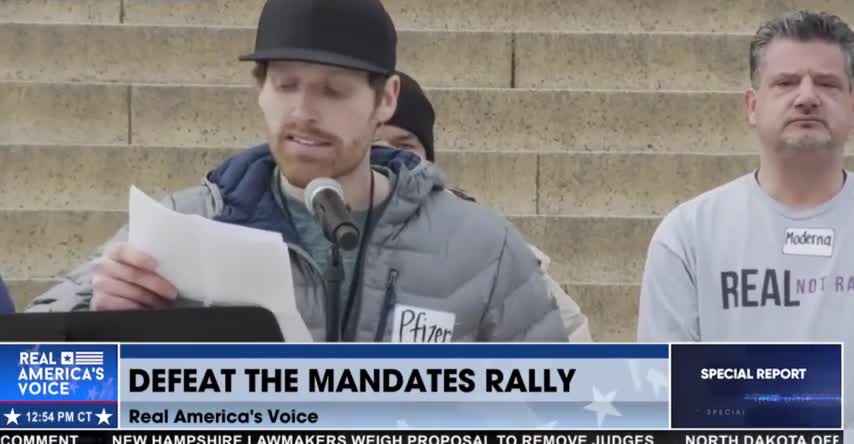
427	437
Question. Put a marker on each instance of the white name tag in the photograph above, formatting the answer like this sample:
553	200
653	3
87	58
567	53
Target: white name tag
422	325
809	242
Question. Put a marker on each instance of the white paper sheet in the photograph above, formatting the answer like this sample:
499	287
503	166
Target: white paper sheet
218	263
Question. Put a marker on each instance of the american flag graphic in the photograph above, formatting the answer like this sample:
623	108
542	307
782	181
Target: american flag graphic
89	358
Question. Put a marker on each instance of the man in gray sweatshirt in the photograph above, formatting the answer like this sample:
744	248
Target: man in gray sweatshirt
767	257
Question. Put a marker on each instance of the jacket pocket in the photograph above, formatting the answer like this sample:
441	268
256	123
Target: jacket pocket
389	300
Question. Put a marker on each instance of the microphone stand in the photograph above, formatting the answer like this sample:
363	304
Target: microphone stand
346	237
334	277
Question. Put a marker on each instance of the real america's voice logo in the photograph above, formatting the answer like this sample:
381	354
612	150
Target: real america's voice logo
41	373
50	386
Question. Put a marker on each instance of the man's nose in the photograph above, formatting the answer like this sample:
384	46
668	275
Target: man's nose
807	100
301	107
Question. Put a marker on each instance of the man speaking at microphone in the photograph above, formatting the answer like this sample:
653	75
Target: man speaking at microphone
424	266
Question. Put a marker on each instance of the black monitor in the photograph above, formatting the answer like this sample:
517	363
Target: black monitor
212	324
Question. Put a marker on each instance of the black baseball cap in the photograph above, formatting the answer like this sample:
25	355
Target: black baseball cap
356	34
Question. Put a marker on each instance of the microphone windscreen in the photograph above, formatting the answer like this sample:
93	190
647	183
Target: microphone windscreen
316	186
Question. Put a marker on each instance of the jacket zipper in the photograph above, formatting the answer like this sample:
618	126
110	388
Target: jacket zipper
388	302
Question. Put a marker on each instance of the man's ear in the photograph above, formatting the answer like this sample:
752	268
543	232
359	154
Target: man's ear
388	100
750	106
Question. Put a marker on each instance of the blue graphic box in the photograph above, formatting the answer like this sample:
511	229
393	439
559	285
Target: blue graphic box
756	386
58	386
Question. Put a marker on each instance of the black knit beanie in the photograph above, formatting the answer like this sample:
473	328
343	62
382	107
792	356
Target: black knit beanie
415	113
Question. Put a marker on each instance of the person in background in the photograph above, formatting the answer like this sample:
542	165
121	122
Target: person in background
411	129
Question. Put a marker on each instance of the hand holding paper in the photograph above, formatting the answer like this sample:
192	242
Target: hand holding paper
217	263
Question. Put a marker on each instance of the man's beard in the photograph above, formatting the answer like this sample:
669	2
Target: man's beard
345	163
807	141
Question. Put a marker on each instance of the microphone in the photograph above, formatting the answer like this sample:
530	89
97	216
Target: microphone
325	200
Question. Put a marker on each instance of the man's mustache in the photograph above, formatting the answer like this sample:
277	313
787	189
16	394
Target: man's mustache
308	132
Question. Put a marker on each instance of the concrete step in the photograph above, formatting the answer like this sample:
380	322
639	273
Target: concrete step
215	12
516	15
597	15
59	177
23	291
504	181
44	244
612	309
66	177
632	61
61	113
630	184
203	55
591	249
468	119
478	119
61	11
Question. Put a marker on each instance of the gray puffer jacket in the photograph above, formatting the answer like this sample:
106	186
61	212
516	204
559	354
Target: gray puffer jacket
462	265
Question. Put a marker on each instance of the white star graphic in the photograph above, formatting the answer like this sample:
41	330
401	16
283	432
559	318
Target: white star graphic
549	425
107	389
103	417
658	381
602	406
12	417
634	370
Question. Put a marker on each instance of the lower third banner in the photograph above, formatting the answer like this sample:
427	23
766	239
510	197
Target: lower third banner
328	386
